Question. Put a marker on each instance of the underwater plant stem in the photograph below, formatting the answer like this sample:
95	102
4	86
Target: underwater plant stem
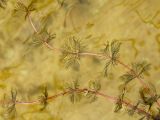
36	31
108	97
88	54
60	50
127	67
33	26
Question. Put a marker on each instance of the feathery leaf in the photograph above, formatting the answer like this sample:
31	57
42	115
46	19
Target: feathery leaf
119	102
147	96
95	85
74	96
43	98
115	47
91	97
26	9
41	37
133	109
71	51
137	71
111	50
10	106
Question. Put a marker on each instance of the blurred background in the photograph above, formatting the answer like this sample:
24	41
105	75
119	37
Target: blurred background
27	67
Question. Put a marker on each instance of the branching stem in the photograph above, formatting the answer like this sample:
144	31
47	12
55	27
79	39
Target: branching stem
108	97
89	54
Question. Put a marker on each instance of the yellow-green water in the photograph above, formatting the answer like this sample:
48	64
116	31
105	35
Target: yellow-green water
26	68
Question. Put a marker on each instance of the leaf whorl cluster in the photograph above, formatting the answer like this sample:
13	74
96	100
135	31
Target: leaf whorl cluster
111	51
137	71
71	53
75	95
26	9
43	98
10	106
149	96
3	4
41	37
151	117
119	102
94	87
132	110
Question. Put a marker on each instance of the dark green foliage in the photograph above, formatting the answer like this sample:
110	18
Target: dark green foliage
140	68
133	109
26	9
93	86
115	47
41	37
71	53
10	106
43	98
106	68
107	48
75	95
111	52
118	106
3	4
119	103
149	96
137	71
91	97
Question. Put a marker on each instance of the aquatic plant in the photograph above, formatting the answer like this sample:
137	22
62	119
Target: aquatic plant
72	51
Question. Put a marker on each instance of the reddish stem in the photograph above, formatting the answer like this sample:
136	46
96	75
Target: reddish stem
90	54
108	97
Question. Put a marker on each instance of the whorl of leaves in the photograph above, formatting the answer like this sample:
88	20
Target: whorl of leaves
26	9
119	103
75	95
137	71
3	4
43	98
10	106
93	86
41	37
133	109
111	50
71	53
149	95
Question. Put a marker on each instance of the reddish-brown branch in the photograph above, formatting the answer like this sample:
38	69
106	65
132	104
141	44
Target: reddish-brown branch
89	54
110	98
107	97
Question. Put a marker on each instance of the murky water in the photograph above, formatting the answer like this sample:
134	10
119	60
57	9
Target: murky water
27	65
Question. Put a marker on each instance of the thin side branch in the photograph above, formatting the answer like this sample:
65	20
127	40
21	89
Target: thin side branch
108	97
89	54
